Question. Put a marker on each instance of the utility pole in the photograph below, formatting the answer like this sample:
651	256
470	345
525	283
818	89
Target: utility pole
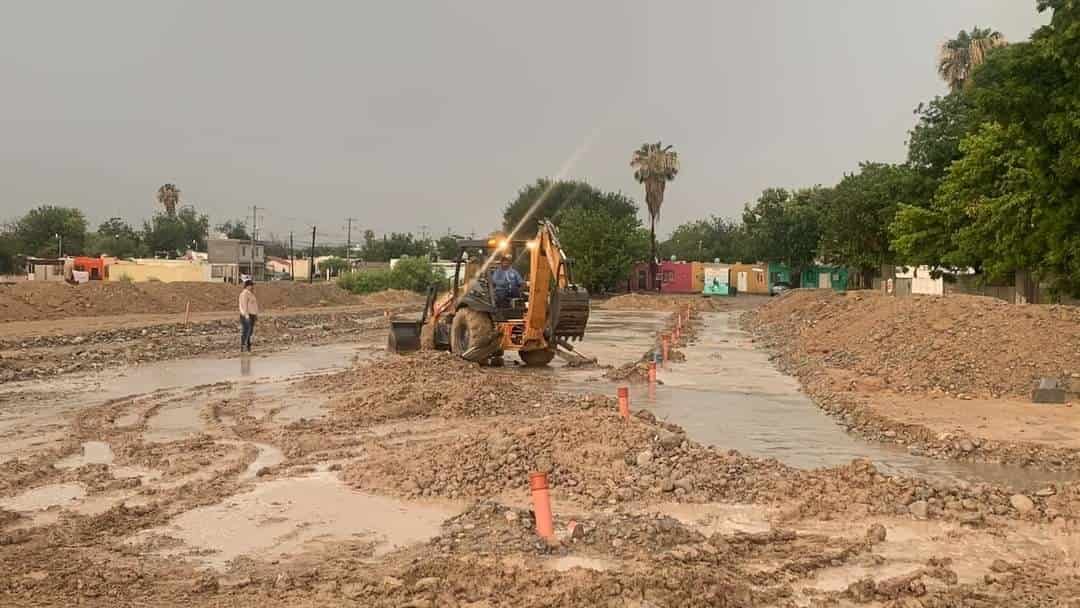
311	262
254	228
348	242
292	258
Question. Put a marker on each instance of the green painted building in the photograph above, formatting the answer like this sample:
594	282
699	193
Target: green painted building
825	277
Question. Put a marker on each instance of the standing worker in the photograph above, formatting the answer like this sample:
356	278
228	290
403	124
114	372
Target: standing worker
249	310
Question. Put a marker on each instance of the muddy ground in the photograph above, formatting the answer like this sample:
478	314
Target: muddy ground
403	481
947	377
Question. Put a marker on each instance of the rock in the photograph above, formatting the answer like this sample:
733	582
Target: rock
971	519
644	458
234	582
891	434
283	581
919	508
876	533
577	531
966	445
1000	566
669	440
1022	503
1048	390
667	485
392	583
544	464
1046	492
685	483
353	591
511	516
418	603
969	504
428	582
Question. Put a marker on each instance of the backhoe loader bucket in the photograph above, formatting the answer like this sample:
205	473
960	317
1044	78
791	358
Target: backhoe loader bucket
404	336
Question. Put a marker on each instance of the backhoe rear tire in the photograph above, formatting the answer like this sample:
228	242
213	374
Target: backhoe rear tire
537	358
472	335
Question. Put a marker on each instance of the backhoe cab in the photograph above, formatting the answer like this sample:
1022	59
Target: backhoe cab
471	322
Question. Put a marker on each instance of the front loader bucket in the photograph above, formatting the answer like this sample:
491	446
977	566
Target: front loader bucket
404	336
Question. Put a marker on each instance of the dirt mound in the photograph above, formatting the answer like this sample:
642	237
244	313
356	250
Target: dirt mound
393	296
436	383
634	373
595	458
637	301
30	301
958	345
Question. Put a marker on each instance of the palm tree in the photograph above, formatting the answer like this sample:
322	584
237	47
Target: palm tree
169	197
654	165
959	56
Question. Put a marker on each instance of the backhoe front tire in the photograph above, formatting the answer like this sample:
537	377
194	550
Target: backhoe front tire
537	358
473	328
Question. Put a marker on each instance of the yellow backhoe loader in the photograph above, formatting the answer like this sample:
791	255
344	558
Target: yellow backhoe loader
472	322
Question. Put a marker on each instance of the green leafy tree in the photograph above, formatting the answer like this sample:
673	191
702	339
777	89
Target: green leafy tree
174	234
234	229
9	249
957	58
707	240
603	246
934	143
40	230
447	246
392	246
857	217
547	199
1012	201
783	226
335	265
117	238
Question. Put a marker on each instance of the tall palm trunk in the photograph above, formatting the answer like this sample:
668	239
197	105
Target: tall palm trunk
654	268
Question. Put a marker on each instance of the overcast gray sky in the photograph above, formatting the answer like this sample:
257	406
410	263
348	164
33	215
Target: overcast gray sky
408	113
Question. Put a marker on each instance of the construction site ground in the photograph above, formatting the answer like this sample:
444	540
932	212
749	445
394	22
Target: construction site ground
323	471
946	377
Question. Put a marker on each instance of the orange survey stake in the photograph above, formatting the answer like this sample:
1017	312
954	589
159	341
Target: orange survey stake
538	483
624	402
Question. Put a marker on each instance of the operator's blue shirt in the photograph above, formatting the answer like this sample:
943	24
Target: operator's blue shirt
507	283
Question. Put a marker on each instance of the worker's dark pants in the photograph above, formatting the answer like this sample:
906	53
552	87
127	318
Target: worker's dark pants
247	328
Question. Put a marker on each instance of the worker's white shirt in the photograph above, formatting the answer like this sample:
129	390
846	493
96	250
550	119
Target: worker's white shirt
248	304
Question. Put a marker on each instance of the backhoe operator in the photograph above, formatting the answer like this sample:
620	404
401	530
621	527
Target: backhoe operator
507	282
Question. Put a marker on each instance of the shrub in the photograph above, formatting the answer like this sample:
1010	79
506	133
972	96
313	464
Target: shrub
412	274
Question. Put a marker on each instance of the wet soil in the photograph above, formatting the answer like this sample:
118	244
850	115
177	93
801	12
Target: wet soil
948	378
403	481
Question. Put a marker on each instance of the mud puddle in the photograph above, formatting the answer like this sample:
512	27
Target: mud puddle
45	497
728	394
285	517
196	372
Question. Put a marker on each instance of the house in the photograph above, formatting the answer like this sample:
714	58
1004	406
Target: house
825	277
231	258
750	278
779	274
922	280
716	279
46	269
158	270
674	278
279	266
